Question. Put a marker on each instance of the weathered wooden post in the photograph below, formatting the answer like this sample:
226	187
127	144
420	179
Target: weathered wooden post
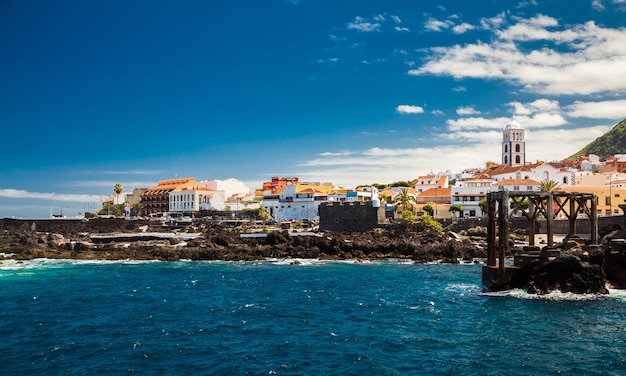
549	217
573	213
594	219
491	229
531	221
503	227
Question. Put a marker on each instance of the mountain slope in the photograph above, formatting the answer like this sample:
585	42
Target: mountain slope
611	143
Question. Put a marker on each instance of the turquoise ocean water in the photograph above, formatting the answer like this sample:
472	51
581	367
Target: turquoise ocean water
315	318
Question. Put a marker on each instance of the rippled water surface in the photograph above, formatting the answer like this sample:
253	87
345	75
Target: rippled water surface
314	318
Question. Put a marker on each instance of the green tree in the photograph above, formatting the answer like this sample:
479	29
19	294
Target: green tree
455	208
482	204
118	188
547	185
401	184
518	202
264	214
404	201
428	209
430	225
408	218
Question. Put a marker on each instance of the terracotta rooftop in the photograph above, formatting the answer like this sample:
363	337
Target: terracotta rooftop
436	192
517	182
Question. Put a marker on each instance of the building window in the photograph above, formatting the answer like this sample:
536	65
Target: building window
516	187
517	148
607	200
517	159
617	195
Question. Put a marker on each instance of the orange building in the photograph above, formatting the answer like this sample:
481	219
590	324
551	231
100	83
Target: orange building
277	185
156	200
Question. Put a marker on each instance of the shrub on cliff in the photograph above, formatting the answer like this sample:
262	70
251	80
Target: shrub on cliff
429	225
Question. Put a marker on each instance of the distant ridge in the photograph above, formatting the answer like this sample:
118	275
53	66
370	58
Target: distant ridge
611	143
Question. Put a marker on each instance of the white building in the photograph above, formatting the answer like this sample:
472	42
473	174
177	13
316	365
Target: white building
296	202
534	172
513	144
192	199
519	185
468	194
426	182
213	201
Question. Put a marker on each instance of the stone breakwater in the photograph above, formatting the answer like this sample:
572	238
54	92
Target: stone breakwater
22	239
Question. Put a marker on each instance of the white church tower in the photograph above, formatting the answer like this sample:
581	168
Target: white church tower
513	145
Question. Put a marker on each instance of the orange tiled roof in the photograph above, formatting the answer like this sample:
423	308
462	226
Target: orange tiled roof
436	192
326	189
517	182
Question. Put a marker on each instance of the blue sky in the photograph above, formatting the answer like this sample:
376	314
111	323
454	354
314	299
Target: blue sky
94	93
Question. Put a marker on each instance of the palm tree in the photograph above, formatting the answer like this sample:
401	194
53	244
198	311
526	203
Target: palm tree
404	200
118	188
548	185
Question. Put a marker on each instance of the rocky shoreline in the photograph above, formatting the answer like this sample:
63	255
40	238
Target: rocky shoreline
26	240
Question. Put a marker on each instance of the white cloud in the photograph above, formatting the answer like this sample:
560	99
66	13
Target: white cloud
409	109
437	25
68	197
462	28
467	110
538	105
361	24
579	59
336	154
615	109
475	123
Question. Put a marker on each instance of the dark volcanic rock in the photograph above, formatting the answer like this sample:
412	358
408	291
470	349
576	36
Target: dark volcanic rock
567	273
69	239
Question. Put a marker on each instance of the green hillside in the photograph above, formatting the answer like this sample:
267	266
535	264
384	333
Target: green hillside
611	143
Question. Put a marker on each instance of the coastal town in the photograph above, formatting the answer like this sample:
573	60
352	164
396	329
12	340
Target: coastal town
442	195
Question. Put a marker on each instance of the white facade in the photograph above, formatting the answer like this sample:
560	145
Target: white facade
240	202
518	185
513	144
230	187
187	201
539	173
290	205
213	201
468	194
427	182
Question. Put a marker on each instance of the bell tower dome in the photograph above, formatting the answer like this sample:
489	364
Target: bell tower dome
513	144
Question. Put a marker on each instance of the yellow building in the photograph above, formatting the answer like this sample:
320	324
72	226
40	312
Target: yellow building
609	197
